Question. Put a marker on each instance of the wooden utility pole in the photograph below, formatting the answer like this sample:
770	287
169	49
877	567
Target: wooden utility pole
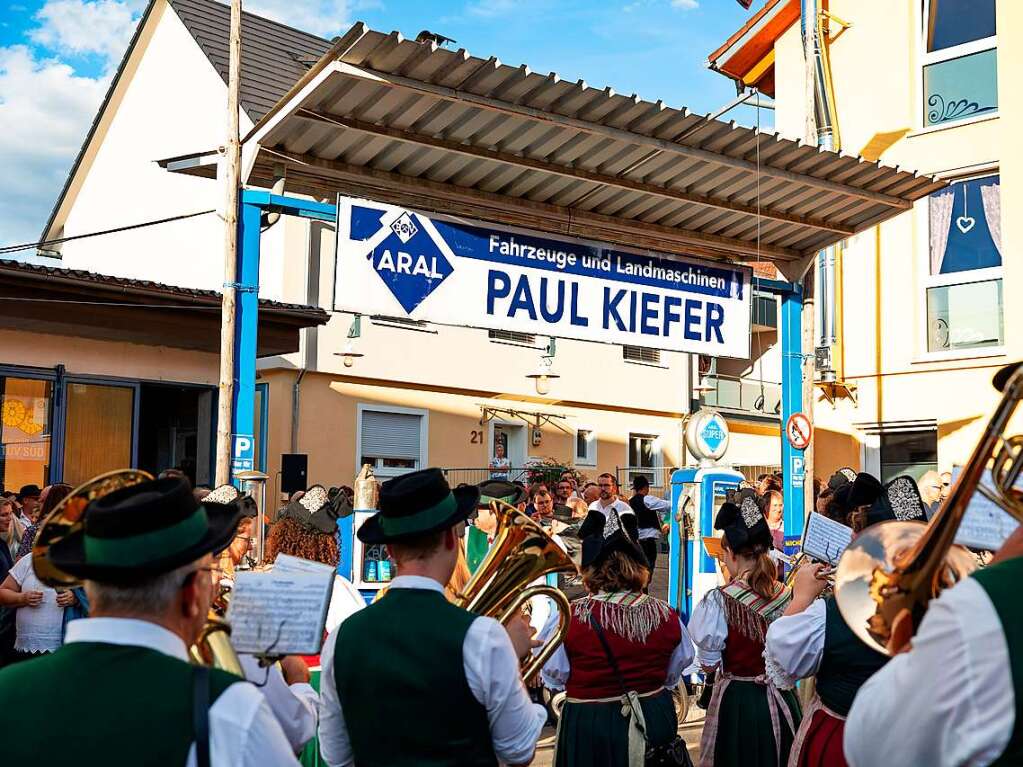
232	167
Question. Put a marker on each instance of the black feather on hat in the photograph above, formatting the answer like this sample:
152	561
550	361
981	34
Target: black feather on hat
743	525
900	501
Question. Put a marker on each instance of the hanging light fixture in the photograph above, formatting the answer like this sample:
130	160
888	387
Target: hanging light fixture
544	371
349	355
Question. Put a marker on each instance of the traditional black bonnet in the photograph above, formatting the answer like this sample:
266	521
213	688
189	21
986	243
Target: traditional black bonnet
900	500
743	524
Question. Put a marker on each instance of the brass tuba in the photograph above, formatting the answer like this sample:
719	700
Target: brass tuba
893	569
213	646
522	552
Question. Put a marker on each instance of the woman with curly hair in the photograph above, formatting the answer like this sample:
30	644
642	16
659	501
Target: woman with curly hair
305	529
289	536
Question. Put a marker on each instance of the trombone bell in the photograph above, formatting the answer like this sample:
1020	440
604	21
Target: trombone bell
872	590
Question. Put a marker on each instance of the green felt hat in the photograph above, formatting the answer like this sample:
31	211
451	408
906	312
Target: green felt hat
144	530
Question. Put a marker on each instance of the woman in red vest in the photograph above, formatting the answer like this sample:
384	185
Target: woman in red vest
624	652
749	720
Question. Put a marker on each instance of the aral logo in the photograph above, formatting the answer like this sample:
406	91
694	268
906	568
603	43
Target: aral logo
409	262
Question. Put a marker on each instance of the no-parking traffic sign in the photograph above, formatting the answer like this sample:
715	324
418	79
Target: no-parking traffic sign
799	431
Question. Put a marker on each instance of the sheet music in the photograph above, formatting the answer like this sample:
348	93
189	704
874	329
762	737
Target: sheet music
825	539
985	525
285	563
279	613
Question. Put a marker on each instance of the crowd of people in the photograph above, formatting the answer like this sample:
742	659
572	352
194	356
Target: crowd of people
413	678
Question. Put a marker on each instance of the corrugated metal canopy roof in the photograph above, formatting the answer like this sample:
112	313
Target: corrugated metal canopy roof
412	123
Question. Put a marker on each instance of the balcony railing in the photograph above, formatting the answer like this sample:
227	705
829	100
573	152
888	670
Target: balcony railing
742	395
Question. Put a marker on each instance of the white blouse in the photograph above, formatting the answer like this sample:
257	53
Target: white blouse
38	629
709	629
556	671
795	645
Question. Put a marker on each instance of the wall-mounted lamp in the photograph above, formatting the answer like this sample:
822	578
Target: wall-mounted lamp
544	371
349	355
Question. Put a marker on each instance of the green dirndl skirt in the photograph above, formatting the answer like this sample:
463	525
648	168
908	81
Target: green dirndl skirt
597	734
745	737
310	755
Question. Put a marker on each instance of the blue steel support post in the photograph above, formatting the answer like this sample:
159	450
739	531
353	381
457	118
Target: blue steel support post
792	402
245	336
253	203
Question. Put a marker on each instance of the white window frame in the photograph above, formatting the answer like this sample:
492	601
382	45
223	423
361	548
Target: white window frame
590	459
658	456
928	280
424	436
926	58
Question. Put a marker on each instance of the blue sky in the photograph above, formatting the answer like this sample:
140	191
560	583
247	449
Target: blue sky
56	58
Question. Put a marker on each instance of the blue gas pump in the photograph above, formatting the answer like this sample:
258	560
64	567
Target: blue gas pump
696	495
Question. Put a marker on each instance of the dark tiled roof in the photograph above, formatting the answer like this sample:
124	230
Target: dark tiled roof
274	56
129	288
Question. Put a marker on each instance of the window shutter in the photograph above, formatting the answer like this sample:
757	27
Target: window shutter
641	354
390	435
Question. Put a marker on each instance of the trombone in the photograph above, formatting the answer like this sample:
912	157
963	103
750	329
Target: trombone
522	552
890	571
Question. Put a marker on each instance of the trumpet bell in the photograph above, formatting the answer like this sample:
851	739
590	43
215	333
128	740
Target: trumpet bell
871	589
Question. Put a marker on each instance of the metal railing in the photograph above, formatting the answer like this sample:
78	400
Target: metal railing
742	394
751	472
527	475
659	477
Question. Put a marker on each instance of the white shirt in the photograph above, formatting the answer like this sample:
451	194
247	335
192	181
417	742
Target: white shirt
293	705
947	702
795	645
657	505
38	629
345	599
491	670
557	669
243	730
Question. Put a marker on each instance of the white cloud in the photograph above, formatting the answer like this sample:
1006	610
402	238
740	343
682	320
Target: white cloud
80	27
320	17
685	5
45	110
489	9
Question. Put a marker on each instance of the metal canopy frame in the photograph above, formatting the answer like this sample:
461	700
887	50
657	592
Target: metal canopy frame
414	124
381	109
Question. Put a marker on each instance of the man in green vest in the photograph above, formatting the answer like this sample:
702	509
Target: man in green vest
480	534
413	679
121	690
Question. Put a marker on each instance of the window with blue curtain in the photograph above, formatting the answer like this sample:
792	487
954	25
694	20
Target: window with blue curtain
964	292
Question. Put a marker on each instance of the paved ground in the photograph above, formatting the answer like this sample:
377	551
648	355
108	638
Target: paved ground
690	730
